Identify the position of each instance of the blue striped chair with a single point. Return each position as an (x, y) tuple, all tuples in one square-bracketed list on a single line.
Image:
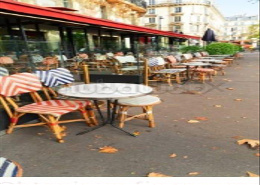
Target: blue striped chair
[(61, 77), (4, 71), (10, 168)]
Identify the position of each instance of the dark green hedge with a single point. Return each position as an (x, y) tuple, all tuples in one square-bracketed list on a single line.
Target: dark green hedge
[(190, 49), (222, 48)]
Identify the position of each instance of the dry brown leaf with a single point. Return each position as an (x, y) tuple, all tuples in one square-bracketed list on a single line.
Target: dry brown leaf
[(218, 106), (185, 157), (40, 134), (193, 173), (153, 174), (238, 99), (173, 155), (201, 118), (227, 80), (108, 149), (257, 154), (98, 136), (244, 117), (250, 174), (251, 142), (230, 88), (193, 121), (136, 133)]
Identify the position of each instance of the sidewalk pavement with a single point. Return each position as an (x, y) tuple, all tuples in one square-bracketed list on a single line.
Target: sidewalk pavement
[(208, 147)]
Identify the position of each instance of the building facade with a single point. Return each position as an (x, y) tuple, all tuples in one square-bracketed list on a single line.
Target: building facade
[(186, 16), (125, 11), (236, 27)]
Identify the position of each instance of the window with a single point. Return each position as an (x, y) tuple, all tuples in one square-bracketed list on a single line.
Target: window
[(177, 19), (178, 1), (151, 11), (151, 20), (66, 3), (198, 18), (178, 9), (177, 29), (151, 2), (197, 28), (103, 12)]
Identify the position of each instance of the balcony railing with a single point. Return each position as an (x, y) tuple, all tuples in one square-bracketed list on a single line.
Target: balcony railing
[(158, 2)]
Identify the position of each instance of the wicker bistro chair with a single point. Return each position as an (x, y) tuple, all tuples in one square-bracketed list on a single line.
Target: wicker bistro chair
[(202, 73), (119, 66), (3, 71), (49, 111), (56, 78), (9, 168), (144, 102), (156, 71)]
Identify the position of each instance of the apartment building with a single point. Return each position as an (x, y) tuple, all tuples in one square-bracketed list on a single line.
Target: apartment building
[(236, 27), (187, 16), (125, 11)]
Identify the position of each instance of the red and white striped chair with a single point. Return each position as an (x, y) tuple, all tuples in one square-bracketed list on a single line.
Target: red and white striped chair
[(49, 111)]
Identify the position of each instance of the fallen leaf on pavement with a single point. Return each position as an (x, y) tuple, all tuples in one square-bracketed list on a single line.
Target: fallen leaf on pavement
[(40, 134), (98, 136), (193, 173), (173, 155), (193, 121), (227, 80), (238, 99), (136, 133), (108, 149), (244, 117), (251, 142), (185, 157), (218, 106), (250, 174), (257, 154), (230, 88), (153, 174), (201, 118)]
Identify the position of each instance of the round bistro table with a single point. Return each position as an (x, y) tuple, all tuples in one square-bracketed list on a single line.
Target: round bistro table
[(110, 92)]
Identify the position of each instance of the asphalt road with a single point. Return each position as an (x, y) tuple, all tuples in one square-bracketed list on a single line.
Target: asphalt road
[(208, 147)]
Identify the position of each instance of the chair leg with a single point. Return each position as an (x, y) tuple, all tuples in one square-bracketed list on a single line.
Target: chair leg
[(210, 76), (178, 80), (85, 116), (56, 129), (168, 79), (123, 116), (150, 116), (202, 77), (92, 115), (144, 111), (13, 122), (119, 114)]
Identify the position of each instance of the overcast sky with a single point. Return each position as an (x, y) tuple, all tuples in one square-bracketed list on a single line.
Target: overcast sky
[(237, 7)]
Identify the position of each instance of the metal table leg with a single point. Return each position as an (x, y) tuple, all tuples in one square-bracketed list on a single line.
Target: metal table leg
[(110, 119)]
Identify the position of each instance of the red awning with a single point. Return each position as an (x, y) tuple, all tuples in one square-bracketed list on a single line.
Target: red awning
[(38, 11)]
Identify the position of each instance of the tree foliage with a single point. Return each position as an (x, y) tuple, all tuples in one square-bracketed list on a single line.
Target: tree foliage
[(253, 31)]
